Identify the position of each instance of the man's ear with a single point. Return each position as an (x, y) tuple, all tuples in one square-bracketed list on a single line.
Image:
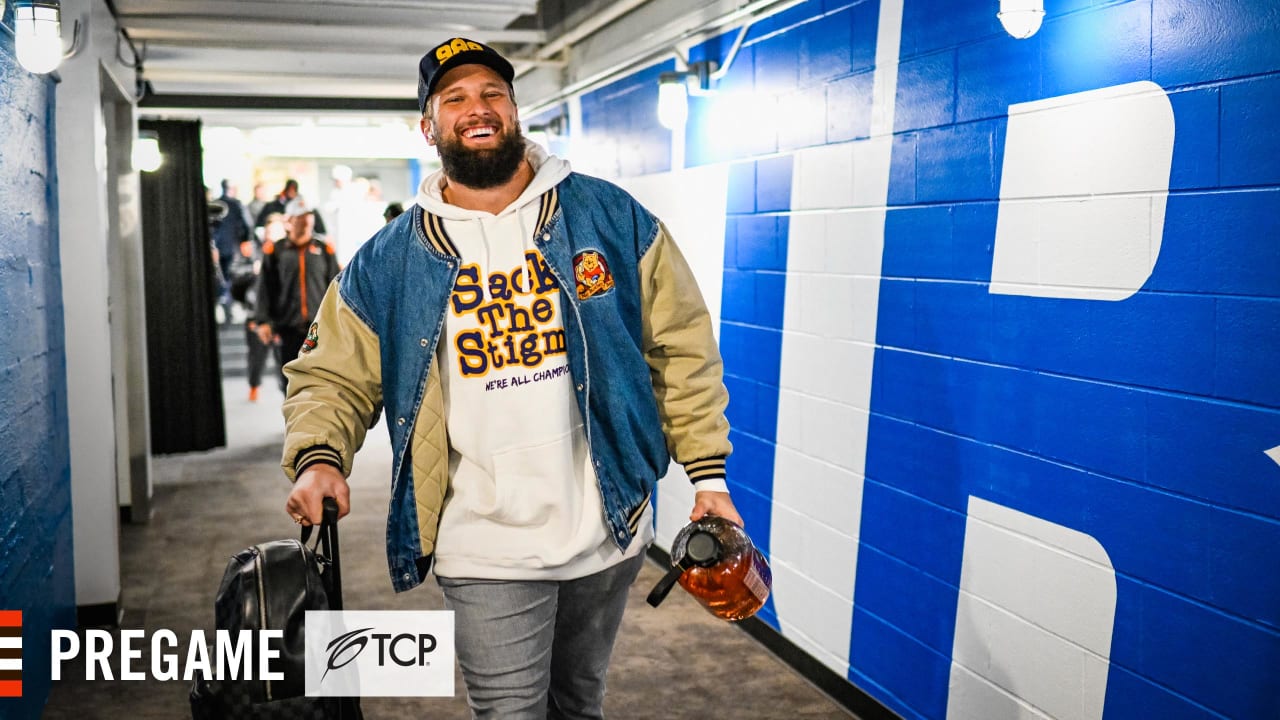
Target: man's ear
[(425, 125)]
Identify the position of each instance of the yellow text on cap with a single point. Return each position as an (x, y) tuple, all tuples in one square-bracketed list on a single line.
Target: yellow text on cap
[(455, 46)]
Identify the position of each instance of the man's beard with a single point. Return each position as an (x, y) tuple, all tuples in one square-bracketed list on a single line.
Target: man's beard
[(481, 169)]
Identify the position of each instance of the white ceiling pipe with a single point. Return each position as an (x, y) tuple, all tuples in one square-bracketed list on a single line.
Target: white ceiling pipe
[(661, 46)]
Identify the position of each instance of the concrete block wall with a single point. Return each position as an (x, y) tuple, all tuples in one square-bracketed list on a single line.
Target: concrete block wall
[(1000, 320), (632, 143), (36, 567)]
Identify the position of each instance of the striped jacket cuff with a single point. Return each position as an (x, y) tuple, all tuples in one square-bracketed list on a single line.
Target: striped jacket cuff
[(705, 469), (316, 454)]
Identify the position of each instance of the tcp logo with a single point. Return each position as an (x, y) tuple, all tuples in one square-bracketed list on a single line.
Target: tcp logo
[(379, 654), (10, 653), (346, 648)]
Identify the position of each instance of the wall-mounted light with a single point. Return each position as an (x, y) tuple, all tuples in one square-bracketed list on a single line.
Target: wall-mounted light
[(38, 34), (1021, 18), (674, 89), (673, 100), (146, 151)]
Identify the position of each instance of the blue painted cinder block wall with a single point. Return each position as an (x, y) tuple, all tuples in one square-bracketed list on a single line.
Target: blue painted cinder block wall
[(36, 566), (1125, 431)]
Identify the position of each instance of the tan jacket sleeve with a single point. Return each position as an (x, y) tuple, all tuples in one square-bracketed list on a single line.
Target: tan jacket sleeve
[(684, 361), (335, 388)]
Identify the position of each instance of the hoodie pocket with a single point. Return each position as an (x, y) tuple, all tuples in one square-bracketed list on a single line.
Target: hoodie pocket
[(534, 483)]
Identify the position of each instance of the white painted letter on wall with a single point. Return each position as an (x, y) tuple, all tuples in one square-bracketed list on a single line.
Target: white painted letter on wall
[(1033, 622), (1082, 193)]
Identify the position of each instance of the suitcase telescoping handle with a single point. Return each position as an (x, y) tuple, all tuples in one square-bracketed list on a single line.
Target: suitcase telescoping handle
[(328, 542)]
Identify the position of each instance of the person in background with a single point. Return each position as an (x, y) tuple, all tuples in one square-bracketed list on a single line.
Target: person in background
[(215, 213), (393, 211), (542, 351), (272, 232), (281, 201), (229, 231), (346, 212), (260, 199), (278, 203), (295, 276)]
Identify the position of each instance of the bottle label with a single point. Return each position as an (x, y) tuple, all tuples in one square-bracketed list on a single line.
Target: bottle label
[(756, 584)]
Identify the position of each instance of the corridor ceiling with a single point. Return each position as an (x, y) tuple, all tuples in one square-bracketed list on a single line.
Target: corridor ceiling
[(344, 50)]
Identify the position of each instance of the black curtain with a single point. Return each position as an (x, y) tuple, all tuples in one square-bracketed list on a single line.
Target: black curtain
[(181, 289)]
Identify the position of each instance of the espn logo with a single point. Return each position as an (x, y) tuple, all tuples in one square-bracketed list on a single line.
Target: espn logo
[(10, 653)]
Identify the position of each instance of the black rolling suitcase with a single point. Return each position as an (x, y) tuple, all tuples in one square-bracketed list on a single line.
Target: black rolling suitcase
[(270, 587)]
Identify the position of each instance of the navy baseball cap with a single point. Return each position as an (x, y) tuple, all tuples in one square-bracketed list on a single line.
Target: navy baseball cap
[(449, 55)]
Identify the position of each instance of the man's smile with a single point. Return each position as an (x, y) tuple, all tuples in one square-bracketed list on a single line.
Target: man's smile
[(479, 131)]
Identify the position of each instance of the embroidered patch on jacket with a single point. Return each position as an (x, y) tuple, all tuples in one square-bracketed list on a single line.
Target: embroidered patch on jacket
[(592, 274), (313, 339)]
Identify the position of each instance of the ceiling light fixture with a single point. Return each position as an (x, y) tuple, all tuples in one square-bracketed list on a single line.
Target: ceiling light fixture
[(37, 30)]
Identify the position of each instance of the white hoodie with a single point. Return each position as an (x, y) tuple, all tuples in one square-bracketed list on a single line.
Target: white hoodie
[(523, 500)]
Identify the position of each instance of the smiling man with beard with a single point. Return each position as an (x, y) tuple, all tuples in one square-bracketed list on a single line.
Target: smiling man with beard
[(542, 352)]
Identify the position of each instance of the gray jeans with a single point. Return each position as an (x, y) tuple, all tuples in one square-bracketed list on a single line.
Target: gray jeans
[(531, 650)]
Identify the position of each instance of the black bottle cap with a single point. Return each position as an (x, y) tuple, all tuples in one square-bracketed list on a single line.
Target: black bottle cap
[(702, 549)]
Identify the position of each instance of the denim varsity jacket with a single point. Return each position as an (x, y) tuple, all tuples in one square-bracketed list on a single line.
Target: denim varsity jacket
[(644, 362)]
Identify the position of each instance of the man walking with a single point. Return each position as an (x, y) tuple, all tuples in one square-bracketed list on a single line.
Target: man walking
[(542, 352), (294, 277)]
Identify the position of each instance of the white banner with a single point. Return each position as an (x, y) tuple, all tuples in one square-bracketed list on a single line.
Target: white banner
[(380, 654)]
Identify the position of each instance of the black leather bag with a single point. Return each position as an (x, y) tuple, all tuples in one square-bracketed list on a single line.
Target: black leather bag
[(270, 587)]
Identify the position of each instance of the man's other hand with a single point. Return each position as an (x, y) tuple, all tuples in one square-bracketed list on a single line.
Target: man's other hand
[(715, 503)]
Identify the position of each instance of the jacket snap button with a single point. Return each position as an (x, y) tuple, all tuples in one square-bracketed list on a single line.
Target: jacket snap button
[(399, 421), (579, 388), (423, 342), (546, 236), (407, 577)]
